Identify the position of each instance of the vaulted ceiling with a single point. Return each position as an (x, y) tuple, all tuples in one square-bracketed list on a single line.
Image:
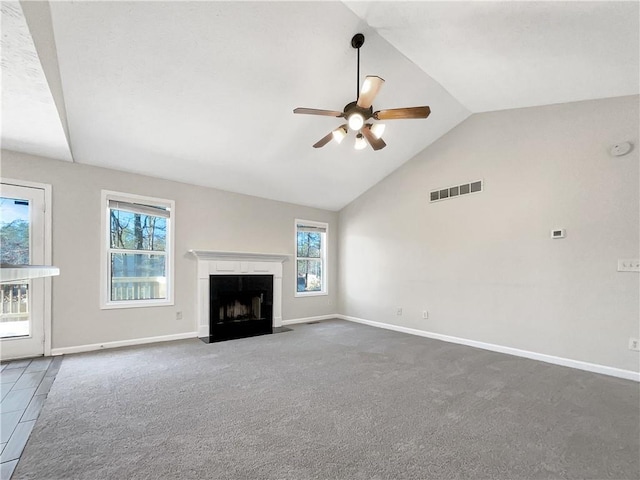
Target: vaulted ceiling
[(203, 92)]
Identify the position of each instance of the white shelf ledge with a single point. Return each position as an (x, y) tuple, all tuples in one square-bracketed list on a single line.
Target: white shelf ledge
[(240, 256), (15, 273)]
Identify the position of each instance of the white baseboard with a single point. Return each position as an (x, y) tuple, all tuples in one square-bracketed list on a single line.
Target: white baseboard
[(293, 321), (122, 343), (565, 362)]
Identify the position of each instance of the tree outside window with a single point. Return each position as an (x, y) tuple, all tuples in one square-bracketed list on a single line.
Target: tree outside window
[(310, 257)]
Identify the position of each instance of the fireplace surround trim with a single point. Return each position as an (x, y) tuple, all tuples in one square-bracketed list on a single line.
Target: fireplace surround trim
[(240, 256), (215, 262)]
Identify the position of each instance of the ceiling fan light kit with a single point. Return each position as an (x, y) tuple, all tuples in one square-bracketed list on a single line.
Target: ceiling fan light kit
[(356, 121), (339, 134), (358, 112), (378, 129)]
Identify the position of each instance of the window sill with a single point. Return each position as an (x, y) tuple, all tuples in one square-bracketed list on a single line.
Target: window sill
[(311, 294), (137, 304)]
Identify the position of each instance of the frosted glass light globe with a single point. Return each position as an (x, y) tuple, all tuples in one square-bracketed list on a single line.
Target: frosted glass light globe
[(377, 129), (339, 134), (356, 121), (360, 142)]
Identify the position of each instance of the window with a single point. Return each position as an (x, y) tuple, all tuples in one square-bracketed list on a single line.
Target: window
[(311, 258), (138, 251)]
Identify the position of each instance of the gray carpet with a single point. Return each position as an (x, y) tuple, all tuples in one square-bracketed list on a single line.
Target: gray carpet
[(334, 400)]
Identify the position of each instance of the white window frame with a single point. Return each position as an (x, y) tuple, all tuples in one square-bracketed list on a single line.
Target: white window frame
[(323, 258), (105, 263), (48, 252)]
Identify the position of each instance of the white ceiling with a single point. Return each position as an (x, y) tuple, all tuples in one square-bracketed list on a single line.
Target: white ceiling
[(501, 55), (203, 92), (30, 120)]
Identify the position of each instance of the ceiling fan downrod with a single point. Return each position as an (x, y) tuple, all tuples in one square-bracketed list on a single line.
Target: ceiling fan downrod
[(356, 42)]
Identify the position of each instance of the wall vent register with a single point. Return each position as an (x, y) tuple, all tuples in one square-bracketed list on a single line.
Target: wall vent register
[(456, 191)]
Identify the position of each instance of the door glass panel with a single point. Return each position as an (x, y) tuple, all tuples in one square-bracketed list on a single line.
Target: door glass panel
[(14, 250)]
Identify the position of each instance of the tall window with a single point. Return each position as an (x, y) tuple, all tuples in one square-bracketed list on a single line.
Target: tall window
[(311, 254), (139, 253)]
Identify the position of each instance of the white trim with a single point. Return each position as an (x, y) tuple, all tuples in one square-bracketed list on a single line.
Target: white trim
[(48, 260), (105, 265), (122, 343), (114, 304), (48, 205), (294, 321), (565, 362), (324, 258), (240, 256), (212, 262), (310, 294)]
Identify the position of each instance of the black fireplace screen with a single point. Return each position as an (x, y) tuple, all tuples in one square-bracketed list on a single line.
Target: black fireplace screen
[(245, 301), (241, 306)]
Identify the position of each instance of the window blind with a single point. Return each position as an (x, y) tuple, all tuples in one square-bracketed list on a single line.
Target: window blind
[(311, 228), (155, 211)]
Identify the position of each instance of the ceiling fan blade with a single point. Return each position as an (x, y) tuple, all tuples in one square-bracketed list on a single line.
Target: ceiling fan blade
[(400, 113), (324, 140), (370, 89), (376, 143), (315, 111)]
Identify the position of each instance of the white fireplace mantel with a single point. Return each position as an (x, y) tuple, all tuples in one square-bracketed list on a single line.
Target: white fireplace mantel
[(240, 256), (214, 262)]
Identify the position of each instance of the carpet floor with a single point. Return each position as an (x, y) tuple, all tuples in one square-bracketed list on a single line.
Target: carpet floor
[(333, 400)]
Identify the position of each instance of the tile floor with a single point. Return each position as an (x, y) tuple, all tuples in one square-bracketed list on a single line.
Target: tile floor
[(24, 388)]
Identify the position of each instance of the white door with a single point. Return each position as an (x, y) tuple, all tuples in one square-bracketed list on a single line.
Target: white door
[(22, 241)]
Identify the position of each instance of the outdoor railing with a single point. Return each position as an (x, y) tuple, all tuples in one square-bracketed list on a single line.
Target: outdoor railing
[(15, 296), (138, 288), (15, 301)]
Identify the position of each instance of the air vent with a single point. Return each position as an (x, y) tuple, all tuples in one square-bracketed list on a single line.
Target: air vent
[(456, 191)]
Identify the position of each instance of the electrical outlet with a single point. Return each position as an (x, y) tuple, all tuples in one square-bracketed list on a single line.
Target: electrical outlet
[(399, 311), (178, 315), (628, 265), (634, 344), (425, 314)]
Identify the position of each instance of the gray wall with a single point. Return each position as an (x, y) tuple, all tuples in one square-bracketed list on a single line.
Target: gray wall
[(205, 219), (484, 266)]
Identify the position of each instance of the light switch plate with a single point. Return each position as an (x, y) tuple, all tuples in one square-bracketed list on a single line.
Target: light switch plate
[(628, 265)]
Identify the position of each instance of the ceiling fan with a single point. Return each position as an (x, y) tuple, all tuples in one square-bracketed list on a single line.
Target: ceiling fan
[(359, 112)]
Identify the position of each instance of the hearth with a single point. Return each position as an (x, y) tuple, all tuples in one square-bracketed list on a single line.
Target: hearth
[(240, 306)]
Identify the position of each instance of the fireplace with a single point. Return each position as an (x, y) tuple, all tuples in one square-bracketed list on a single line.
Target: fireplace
[(216, 263), (240, 306)]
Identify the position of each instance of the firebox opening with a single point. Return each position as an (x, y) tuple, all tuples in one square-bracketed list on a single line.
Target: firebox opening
[(240, 306)]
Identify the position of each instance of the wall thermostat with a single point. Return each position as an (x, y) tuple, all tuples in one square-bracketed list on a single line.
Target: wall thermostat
[(620, 149), (558, 233)]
